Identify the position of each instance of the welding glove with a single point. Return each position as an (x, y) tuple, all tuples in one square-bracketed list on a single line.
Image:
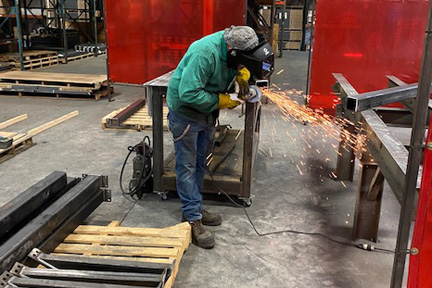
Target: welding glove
[(242, 80), (225, 102)]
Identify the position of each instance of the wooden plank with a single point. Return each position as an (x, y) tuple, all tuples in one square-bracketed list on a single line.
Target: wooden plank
[(118, 250), (52, 123), (40, 129), (114, 224), (141, 259), (128, 240), (7, 134), (12, 121), (88, 229)]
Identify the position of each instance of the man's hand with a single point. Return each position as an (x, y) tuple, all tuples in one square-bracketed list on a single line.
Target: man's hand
[(225, 102), (242, 80)]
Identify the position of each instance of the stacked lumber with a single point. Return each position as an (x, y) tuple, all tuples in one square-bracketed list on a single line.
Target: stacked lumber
[(31, 59), (152, 245), (23, 141), (23, 83)]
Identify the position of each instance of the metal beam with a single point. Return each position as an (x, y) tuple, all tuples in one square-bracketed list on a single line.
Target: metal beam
[(368, 209), (19, 208), (99, 264), (118, 119), (47, 283), (346, 157), (415, 156), (389, 153), (23, 241), (410, 103), (108, 277), (74, 220), (374, 99)]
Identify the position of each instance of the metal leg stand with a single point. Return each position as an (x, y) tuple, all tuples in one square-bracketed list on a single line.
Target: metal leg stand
[(157, 113), (368, 204), (346, 158)]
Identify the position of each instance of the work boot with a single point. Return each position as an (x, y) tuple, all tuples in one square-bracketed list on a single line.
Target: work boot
[(200, 236), (210, 219)]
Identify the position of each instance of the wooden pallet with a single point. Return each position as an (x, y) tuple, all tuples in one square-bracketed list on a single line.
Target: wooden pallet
[(140, 120), (165, 245), (36, 63), (19, 145), (94, 82), (93, 95), (27, 55), (23, 141)]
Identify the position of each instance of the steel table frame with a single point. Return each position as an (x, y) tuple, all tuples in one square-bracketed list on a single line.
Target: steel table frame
[(156, 89), (391, 159)]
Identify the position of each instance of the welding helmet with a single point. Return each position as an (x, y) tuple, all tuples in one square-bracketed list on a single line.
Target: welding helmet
[(259, 60)]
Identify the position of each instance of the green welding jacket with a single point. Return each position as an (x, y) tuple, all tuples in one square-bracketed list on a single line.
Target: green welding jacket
[(198, 79)]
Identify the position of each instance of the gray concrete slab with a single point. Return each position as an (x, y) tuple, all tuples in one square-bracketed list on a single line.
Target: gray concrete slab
[(285, 198)]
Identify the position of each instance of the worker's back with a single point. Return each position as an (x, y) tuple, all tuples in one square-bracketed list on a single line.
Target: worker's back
[(200, 76)]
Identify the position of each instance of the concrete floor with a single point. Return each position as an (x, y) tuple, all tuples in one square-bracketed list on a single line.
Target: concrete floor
[(284, 198)]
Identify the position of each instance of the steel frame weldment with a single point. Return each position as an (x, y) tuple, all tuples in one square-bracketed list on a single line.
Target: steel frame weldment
[(390, 161)]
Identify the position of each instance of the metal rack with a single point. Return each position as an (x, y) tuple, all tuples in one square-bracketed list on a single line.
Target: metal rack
[(14, 13), (53, 16)]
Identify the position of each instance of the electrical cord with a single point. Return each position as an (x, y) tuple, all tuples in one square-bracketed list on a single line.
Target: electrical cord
[(367, 247)]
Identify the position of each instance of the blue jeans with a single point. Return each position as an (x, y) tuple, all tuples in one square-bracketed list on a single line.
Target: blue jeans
[(191, 143)]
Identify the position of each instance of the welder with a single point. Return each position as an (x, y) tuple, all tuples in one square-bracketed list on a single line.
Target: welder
[(196, 92)]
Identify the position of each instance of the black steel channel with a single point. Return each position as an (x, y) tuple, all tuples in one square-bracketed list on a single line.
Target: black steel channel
[(32, 234), (101, 264), (414, 158), (29, 282), (118, 119), (19, 208), (71, 223), (108, 277)]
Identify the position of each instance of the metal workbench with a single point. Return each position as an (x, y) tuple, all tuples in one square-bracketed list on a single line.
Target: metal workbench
[(235, 157)]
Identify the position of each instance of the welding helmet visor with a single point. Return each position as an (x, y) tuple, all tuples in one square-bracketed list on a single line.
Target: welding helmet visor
[(259, 60)]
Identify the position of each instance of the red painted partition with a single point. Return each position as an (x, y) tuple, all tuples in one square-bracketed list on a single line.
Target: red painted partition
[(365, 40), (420, 266), (147, 38)]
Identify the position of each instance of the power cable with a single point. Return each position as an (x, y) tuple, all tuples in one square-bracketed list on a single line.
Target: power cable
[(367, 247)]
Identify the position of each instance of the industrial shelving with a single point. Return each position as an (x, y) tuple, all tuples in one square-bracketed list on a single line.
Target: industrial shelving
[(54, 18)]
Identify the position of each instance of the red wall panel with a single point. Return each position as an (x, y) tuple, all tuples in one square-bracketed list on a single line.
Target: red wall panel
[(147, 38), (365, 40)]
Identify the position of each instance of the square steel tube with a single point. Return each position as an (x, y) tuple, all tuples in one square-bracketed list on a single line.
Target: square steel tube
[(18, 209), (108, 277), (48, 283), (378, 98), (32, 234), (100, 264)]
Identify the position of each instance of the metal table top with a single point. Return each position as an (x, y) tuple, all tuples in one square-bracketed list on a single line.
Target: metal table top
[(161, 81)]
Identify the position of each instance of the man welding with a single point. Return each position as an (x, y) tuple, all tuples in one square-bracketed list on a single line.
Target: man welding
[(196, 92)]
